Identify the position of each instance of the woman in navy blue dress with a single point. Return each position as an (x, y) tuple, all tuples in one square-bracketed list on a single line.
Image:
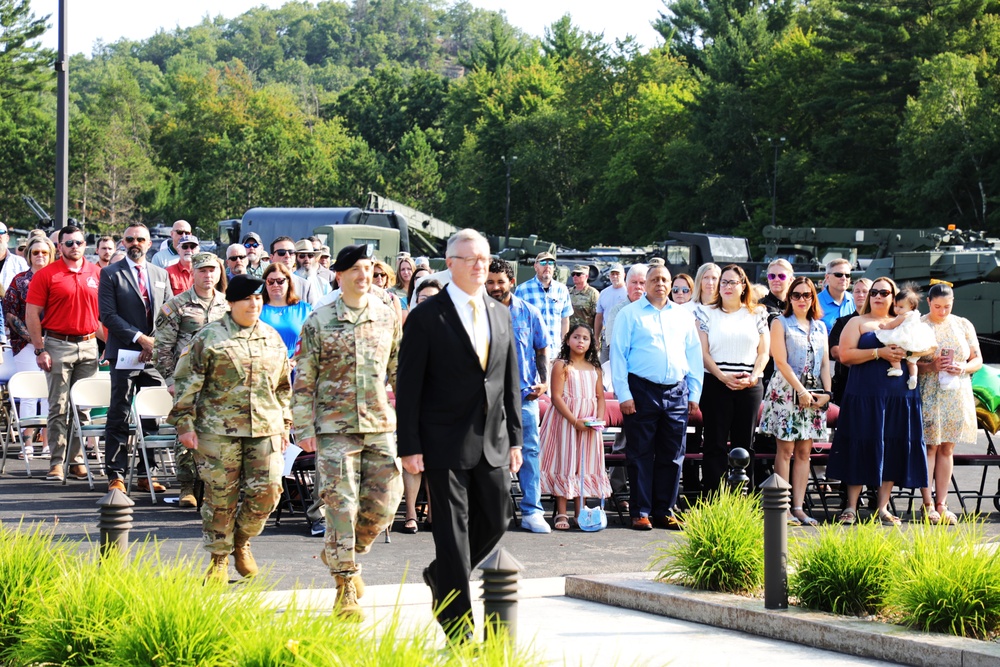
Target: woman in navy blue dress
[(879, 440)]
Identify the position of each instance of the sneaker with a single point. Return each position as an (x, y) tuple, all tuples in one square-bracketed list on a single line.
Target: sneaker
[(535, 523), (78, 471), (317, 529), (45, 452), (55, 473)]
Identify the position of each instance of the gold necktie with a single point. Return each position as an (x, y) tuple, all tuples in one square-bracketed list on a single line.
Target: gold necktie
[(479, 341)]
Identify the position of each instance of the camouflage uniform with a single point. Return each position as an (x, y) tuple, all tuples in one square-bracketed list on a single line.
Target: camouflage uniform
[(232, 389), (344, 360), (178, 320), (584, 305)]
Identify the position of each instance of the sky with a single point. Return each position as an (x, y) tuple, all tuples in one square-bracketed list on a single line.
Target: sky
[(110, 20)]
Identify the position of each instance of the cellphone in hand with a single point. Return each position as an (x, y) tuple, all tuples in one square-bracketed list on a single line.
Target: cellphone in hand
[(948, 355)]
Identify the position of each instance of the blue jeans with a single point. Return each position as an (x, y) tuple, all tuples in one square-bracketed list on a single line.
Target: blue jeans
[(528, 475)]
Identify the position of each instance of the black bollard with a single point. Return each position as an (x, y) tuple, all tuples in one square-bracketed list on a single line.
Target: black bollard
[(501, 572), (115, 522), (776, 493), (737, 479)]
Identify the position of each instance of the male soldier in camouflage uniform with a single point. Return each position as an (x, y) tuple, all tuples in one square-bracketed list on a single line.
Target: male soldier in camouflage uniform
[(231, 407), (176, 323), (583, 297), (347, 353)]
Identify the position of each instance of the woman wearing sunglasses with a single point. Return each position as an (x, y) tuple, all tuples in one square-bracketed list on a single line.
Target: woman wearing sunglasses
[(779, 278), (681, 289), (794, 413), (283, 309), (879, 439)]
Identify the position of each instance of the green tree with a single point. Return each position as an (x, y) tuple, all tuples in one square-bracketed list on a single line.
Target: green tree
[(22, 61)]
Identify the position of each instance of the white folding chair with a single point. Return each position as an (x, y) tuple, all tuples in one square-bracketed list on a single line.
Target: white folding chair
[(151, 403), (87, 394), (25, 385)]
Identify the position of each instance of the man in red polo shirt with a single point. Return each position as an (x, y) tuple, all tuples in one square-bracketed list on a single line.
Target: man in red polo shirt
[(62, 317), (181, 274)]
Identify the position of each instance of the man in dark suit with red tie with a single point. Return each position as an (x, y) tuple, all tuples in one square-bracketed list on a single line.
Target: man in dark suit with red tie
[(130, 294), (458, 409)]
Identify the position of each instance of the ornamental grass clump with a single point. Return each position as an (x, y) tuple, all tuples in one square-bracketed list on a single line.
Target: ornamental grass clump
[(721, 548), (948, 581), (845, 571)]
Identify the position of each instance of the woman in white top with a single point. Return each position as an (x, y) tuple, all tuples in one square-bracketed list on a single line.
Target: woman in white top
[(706, 286), (735, 342)]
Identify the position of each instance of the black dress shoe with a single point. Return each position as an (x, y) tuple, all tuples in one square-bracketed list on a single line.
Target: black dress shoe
[(429, 580), (669, 521)]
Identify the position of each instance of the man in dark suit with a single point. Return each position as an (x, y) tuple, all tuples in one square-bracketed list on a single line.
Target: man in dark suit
[(130, 293), (459, 422)]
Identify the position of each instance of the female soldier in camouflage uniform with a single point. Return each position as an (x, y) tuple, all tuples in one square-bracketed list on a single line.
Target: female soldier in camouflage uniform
[(232, 395)]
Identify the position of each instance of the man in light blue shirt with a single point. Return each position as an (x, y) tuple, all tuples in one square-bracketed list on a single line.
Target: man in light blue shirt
[(835, 299), (657, 368)]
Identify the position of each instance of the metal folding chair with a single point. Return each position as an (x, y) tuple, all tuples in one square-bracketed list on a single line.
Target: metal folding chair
[(151, 403), (87, 394), (26, 385)]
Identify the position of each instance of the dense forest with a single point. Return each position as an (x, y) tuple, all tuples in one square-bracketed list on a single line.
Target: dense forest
[(841, 113)]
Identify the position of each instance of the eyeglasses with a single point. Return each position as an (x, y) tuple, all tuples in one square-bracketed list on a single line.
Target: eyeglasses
[(276, 281), (546, 262), (182, 232), (303, 255), (879, 292), (39, 253), (730, 283), (233, 258), (3, 232), (379, 275), (801, 296), (680, 290), (281, 252), (72, 243), (837, 274), (135, 239), (778, 276), (189, 246), (472, 260), (251, 245)]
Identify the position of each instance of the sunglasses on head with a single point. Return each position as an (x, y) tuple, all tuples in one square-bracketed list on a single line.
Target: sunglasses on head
[(251, 244), (276, 281), (778, 276), (72, 243), (879, 292), (838, 274), (281, 252), (801, 296), (680, 290), (233, 258), (135, 239)]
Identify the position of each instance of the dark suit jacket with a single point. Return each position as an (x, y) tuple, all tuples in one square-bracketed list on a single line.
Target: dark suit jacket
[(447, 408), (121, 308)]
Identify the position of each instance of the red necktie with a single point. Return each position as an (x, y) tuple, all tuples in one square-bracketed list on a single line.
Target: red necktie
[(143, 292)]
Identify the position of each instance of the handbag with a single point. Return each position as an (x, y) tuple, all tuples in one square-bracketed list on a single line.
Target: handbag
[(808, 378), (592, 519)]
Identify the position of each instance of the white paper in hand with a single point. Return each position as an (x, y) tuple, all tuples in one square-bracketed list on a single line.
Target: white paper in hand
[(128, 360), (291, 454)]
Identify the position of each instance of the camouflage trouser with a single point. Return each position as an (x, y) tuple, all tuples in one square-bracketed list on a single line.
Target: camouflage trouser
[(361, 485), (227, 465), (187, 471)]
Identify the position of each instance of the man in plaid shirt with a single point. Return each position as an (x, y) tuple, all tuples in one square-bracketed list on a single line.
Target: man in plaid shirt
[(550, 297)]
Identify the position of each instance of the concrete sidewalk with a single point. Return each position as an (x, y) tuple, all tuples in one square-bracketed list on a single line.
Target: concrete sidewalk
[(567, 631)]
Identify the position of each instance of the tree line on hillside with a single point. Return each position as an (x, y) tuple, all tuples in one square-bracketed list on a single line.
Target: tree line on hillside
[(838, 112)]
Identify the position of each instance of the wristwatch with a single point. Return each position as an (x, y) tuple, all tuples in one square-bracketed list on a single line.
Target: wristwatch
[(38, 351)]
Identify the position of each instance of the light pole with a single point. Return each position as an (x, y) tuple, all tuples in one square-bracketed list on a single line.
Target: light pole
[(774, 183), (506, 211), (62, 120)]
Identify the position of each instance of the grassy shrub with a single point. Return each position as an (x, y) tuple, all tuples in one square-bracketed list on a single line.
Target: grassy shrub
[(947, 583), (846, 571), (721, 548), (31, 565)]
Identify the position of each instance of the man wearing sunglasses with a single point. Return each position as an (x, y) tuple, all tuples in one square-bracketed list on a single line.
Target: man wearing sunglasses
[(308, 267), (836, 300), (181, 273), (236, 260), (169, 253), (256, 260), (11, 264), (283, 252), (132, 291), (551, 297), (61, 315)]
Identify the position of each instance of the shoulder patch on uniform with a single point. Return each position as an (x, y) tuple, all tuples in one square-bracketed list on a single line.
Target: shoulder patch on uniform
[(184, 351), (166, 309)]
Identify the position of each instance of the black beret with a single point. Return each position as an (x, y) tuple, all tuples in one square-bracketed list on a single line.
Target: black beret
[(349, 256), (242, 286)]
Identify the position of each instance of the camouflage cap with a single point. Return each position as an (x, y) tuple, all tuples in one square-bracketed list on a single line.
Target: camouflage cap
[(204, 259), (656, 261), (581, 269), (242, 286)]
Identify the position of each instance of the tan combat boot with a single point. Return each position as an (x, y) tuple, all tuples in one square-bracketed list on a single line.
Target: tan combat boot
[(359, 583), (347, 606), (245, 563), (218, 571), (187, 498)]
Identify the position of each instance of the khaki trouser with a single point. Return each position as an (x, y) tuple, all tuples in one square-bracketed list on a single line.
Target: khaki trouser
[(70, 362)]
